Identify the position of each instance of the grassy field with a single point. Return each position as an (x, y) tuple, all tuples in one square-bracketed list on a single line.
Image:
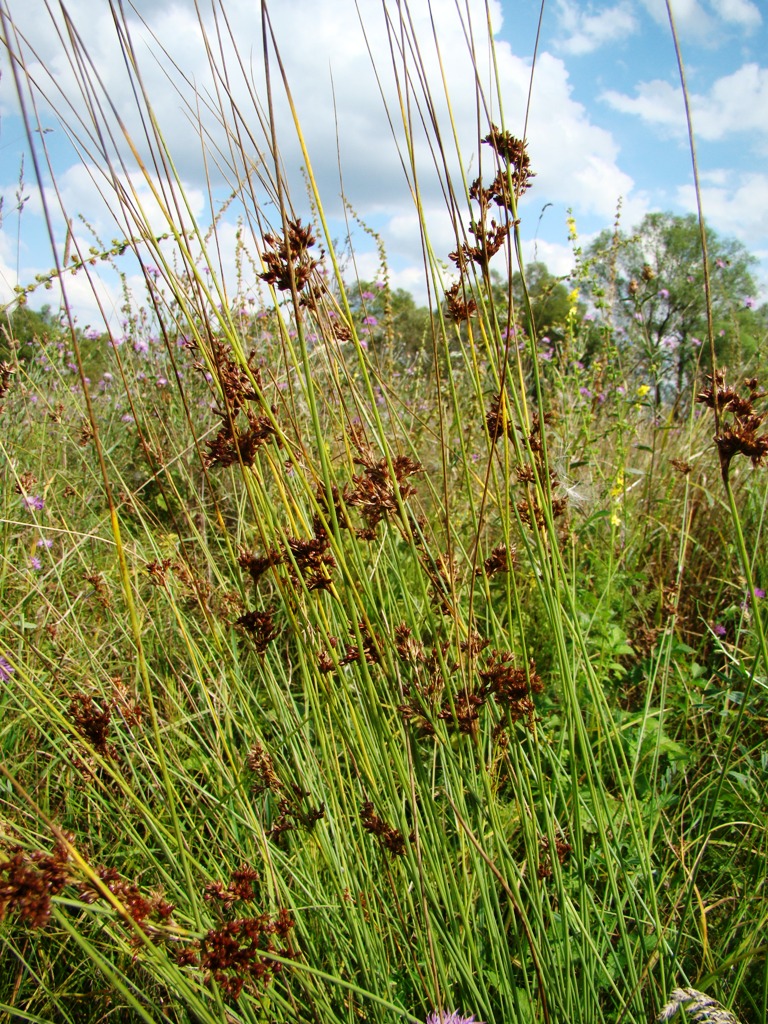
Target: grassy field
[(352, 675)]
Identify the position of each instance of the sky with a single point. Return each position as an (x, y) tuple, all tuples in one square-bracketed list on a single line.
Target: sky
[(605, 126)]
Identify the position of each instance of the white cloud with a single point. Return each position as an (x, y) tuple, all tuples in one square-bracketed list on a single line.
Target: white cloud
[(576, 162), (582, 31), (734, 204), (558, 256), (691, 19), (658, 103), (735, 103), (738, 12), (705, 25)]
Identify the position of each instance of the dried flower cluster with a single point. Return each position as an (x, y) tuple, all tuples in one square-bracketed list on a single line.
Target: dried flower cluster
[(488, 241), (140, 908), (293, 814), (459, 307), (369, 650), (239, 890), (514, 153), (511, 687), (283, 256), (260, 763), (29, 880), (93, 724), (259, 627), (514, 176), (376, 491), (233, 445), (498, 420), (563, 850), (239, 386), (501, 560), (6, 372), (236, 381), (238, 952), (391, 839), (739, 436)]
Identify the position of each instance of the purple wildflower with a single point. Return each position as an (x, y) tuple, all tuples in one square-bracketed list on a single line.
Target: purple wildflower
[(6, 670), (45, 542), (585, 392), (367, 296), (719, 629), (749, 302), (696, 342), (451, 1018), (758, 593), (664, 293), (35, 563), (370, 321), (33, 501)]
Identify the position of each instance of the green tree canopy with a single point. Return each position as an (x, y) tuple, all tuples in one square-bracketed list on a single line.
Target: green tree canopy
[(652, 284), (24, 325)]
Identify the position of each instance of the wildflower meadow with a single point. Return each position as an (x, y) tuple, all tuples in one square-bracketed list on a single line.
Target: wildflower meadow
[(366, 659)]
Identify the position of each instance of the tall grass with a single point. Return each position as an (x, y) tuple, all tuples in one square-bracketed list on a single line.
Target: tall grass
[(341, 683)]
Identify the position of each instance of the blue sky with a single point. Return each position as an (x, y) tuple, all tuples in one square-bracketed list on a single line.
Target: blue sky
[(606, 121)]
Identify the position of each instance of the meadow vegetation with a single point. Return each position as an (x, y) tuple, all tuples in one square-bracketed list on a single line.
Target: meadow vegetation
[(363, 661)]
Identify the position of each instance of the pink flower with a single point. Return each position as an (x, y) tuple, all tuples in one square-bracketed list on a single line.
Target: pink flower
[(33, 502), (370, 321), (451, 1018)]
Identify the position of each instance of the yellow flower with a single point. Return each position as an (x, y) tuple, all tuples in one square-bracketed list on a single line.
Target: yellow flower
[(615, 518), (643, 390), (571, 222)]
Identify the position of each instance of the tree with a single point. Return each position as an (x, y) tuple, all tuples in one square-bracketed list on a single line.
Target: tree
[(23, 326), (551, 303), (389, 319), (652, 285)]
